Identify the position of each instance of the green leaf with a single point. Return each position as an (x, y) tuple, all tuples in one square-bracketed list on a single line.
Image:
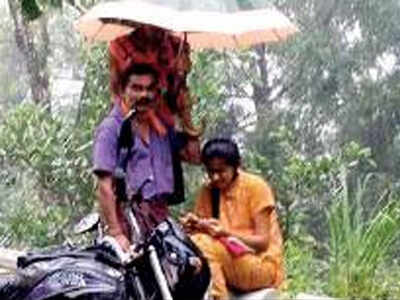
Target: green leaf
[(30, 9), (56, 3)]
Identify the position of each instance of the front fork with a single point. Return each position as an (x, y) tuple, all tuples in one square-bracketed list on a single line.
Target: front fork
[(154, 260)]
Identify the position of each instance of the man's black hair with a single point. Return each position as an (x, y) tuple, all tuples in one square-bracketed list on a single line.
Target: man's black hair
[(138, 69), (221, 148)]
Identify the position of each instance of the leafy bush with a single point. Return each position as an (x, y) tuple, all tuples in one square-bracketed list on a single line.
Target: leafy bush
[(303, 185), (29, 221), (32, 140), (54, 152)]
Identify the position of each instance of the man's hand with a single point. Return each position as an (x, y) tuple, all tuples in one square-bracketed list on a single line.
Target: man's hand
[(108, 205), (123, 242), (191, 152)]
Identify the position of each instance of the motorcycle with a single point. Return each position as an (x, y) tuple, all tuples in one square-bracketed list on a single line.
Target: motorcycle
[(165, 266)]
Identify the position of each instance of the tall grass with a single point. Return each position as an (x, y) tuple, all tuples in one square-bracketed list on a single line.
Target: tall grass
[(304, 272), (360, 242)]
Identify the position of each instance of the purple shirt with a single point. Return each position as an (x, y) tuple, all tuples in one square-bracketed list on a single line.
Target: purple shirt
[(149, 170)]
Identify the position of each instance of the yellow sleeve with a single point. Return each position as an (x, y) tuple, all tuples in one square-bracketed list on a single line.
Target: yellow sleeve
[(202, 206), (261, 196)]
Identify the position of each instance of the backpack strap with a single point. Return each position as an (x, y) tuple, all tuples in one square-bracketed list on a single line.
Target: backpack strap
[(215, 200), (178, 196), (124, 152)]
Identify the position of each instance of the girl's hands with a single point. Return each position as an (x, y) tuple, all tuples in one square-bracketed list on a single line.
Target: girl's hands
[(211, 226), (214, 228)]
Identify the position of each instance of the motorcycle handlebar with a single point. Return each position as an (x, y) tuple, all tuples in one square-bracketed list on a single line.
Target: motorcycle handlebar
[(125, 257)]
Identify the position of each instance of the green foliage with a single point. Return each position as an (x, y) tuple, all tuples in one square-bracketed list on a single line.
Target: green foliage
[(303, 185), (33, 9), (32, 139), (304, 270), (30, 9), (30, 221), (361, 243), (95, 99), (389, 287), (55, 153), (359, 262), (205, 81)]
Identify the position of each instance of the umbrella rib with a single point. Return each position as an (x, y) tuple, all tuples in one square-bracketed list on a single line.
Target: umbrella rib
[(275, 32), (181, 43), (99, 30), (235, 39)]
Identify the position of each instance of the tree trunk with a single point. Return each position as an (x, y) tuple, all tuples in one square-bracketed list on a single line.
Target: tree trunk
[(35, 54), (261, 88)]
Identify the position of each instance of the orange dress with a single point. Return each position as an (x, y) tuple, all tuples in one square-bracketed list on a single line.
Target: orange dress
[(239, 204)]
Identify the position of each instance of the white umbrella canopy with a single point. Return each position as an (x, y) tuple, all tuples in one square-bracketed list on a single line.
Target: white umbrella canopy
[(206, 23)]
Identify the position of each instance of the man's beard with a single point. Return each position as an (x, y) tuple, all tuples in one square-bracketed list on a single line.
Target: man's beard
[(149, 114), (144, 103)]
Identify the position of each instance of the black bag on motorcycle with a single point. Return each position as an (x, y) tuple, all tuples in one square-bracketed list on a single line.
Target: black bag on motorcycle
[(67, 273), (183, 264)]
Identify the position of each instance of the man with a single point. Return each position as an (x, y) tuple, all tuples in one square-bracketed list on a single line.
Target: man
[(150, 176), (235, 224)]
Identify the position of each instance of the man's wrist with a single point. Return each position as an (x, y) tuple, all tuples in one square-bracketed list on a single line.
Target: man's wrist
[(115, 232)]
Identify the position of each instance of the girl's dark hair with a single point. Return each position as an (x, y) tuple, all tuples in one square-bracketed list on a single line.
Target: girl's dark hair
[(221, 148), (138, 69)]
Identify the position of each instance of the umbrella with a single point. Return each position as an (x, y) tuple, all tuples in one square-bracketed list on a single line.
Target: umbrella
[(204, 23), (139, 31)]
